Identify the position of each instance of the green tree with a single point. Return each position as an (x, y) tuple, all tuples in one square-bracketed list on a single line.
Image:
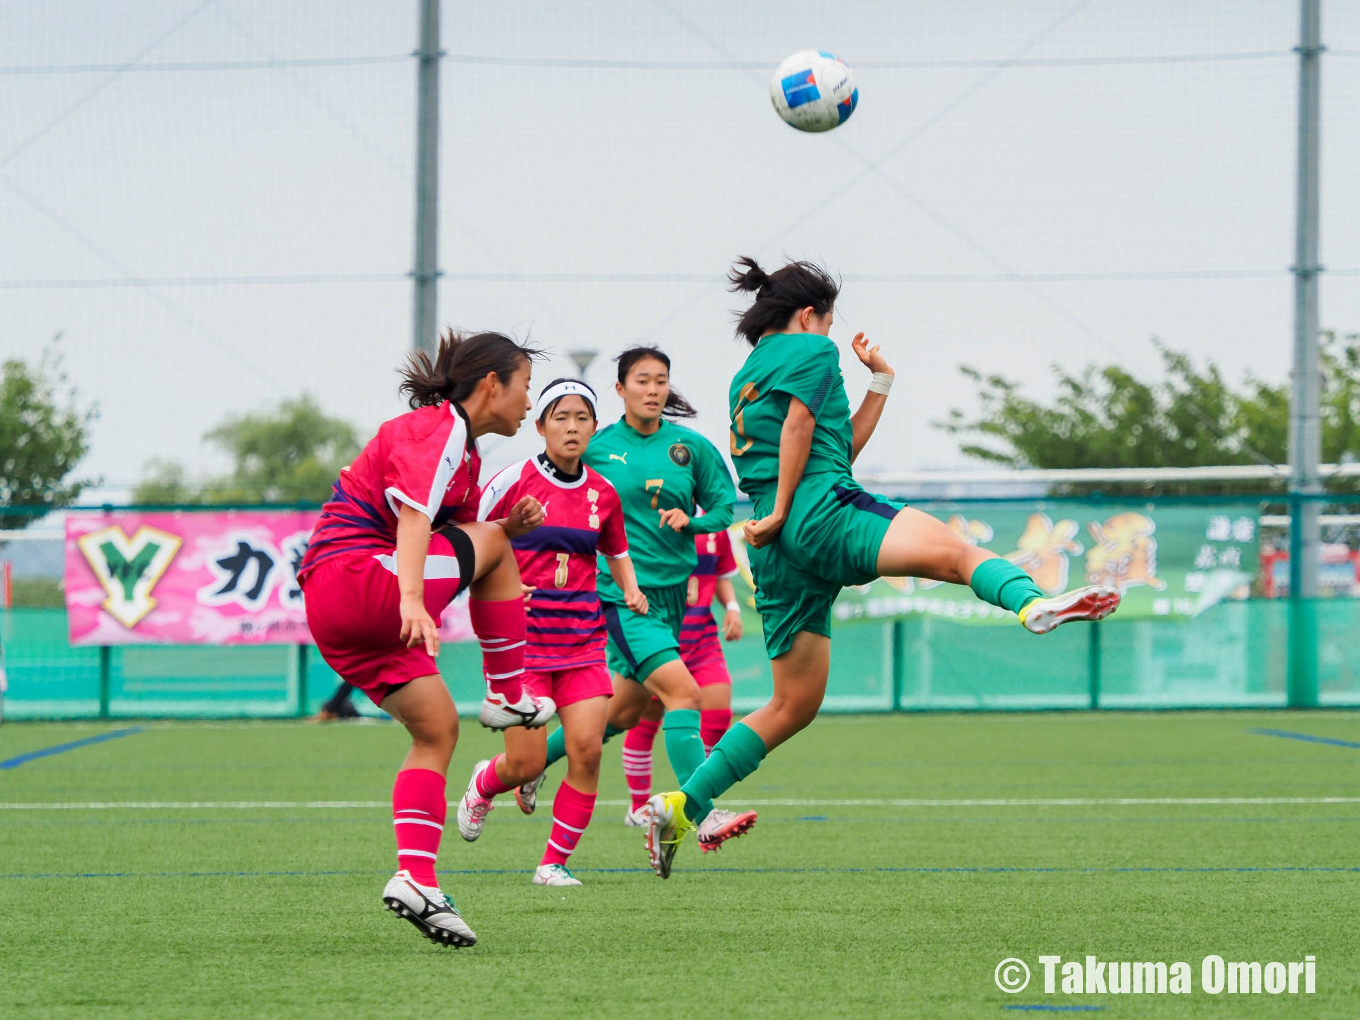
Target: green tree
[(291, 454), (44, 433), (1105, 417)]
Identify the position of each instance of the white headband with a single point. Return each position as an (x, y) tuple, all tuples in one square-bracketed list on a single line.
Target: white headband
[(566, 388)]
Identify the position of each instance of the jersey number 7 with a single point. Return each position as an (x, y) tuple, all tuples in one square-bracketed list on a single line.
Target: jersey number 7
[(658, 482), (747, 394)]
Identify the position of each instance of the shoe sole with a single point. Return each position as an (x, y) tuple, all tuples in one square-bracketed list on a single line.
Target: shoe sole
[(528, 806), (439, 936), (1086, 604), (739, 826), (659, 855)]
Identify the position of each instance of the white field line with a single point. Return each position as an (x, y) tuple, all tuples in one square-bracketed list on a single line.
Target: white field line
[(338, 805)]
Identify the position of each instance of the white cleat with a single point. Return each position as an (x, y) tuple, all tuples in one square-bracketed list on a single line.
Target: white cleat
[(526, 796), (1091, 603), (529, 711), (426, 907), (473, 808), (636, 818), (720, 826), (554, 874)]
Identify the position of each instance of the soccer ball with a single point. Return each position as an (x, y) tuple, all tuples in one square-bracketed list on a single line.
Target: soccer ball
[(813, 91)]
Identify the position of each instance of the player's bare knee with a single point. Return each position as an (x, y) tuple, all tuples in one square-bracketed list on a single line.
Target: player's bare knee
[(585, 756), (522, 766), (625, 717)]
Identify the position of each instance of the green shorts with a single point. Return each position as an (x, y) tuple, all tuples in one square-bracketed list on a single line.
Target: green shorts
[(640, 645), (830, 540)]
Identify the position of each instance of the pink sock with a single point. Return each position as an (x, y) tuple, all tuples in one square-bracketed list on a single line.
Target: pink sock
[(637, 760), (571, 815), (500, 628), (489, 783), (713, 723), (418, 811)]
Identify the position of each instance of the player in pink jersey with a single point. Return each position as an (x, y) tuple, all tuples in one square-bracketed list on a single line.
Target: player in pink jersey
[(565, 653), (397, 541), (702, 654)]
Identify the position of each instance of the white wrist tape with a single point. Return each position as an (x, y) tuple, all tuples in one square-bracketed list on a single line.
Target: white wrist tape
[(881, 383), (734, 607)]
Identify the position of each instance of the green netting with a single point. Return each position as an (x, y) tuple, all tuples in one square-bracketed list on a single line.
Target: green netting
[(1235, 655)]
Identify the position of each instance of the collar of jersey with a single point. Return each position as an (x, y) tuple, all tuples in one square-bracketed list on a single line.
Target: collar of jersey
[(549, 472), (456, 408), (632, 431)]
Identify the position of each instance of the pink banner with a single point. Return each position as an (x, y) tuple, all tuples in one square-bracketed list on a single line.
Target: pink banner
[(186, 577)]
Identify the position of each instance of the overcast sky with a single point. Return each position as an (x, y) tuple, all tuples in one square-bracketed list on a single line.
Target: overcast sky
[(212, 202)]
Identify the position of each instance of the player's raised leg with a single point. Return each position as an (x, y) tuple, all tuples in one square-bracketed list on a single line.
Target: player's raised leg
[(918, 545), (424, 707), (496, 609)]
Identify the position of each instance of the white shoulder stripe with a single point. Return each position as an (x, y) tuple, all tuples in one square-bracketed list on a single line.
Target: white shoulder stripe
[(499, 485)]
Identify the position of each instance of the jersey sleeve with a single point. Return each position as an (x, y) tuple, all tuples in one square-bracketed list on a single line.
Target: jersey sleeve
[(810, 376), (727, 563), (498, 496), (713, 489), (420, 471), (613, 537)]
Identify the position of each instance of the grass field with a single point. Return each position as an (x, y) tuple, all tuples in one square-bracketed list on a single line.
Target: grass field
[(897, 861)]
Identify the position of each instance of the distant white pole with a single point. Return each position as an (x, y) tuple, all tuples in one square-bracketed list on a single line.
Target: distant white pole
[(426, 271), (1305, 431)]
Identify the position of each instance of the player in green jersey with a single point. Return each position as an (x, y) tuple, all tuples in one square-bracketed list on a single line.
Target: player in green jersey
[(661, 471), (814, 530)]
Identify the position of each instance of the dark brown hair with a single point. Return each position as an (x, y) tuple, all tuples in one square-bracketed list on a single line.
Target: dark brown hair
[(780, 294), (459, 364), (676, 405)]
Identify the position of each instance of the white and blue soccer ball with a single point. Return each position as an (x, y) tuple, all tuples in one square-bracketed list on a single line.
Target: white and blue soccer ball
[(814, 91)]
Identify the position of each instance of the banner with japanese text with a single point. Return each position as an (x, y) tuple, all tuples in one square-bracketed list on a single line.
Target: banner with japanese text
[(1171, 561), (194, 577)]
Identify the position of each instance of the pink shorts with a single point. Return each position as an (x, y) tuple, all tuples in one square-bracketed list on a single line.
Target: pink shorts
[(705, 663), (568, 686), (352, 611)]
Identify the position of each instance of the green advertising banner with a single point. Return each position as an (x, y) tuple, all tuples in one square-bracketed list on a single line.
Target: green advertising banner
[(1169, 561)]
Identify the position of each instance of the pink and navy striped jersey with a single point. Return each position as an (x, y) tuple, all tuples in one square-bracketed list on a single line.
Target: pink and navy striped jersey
[(581, 517), (699, 632), (425, 458)]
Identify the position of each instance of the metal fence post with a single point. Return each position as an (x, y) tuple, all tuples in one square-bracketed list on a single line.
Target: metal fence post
[(301, 680), (105, 679), (1093, 665), (899, 662)]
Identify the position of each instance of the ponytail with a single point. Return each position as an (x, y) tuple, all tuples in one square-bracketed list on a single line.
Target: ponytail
[(459, 364), (780, 295), (676, 405)]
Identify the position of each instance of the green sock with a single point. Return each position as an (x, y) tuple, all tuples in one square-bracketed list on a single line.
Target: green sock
[(557, 743), (736, 756), (684, 746), (1003, 584)]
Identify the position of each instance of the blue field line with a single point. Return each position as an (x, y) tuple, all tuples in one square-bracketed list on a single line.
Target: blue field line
[(702, 871), (1307, 737), (44, 752)]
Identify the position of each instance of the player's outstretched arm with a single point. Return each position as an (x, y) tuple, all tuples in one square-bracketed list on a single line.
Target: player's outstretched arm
[(413, 543), (865, 420), (795, 444)]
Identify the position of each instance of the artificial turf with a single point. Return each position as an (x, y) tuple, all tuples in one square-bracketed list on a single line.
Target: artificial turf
[(839, 904)]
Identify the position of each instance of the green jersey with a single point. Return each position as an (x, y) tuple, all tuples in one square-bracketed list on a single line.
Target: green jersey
[(673, 467), (783, 366)]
